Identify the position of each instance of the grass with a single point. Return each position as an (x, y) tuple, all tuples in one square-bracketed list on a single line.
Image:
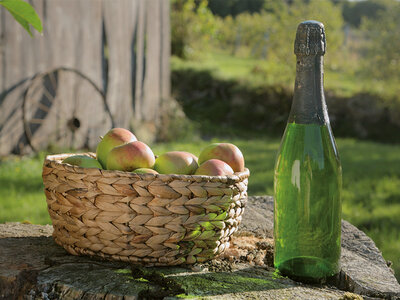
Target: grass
[(266, 72), (371, 181), (21, 190), (230, 67)]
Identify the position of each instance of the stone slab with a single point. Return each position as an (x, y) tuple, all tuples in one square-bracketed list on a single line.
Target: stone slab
[(32, 266)]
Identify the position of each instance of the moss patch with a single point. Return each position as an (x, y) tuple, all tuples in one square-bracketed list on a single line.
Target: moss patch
[(163, 286), (225, 282)]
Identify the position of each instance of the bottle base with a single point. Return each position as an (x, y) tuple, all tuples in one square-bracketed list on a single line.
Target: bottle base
[(308, 269)]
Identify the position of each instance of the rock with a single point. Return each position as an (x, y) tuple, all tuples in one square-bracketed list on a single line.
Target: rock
[(32, 266), (22, 230), (258, 217), (364, 271)]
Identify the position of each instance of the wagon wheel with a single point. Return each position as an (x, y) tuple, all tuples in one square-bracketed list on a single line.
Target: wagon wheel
[(64, 108)]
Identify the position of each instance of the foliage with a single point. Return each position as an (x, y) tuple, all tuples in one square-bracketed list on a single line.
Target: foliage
[(267, 34), (371, 198), (23, 13), (256, 50), (240, 104), (190, 23), (322, 10), (355, 11), (383, 43), (224, 8)]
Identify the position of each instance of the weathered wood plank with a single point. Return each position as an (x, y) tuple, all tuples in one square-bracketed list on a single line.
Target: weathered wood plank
[(2, 58), (152, 83), (89, 108), (21, 55), (120, 20), (165, 50), (139, 53), (75, 45), (13, 76), (82, 41)]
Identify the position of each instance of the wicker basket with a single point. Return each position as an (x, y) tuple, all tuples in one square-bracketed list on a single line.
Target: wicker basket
[(142, 218)]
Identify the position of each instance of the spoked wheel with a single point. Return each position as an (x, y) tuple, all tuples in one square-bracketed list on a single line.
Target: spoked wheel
[(64, 108)]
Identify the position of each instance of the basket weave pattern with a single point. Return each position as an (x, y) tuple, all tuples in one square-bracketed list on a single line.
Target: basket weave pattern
[(142, 218)]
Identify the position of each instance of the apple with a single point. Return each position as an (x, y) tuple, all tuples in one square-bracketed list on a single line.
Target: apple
[(130, 156), (176, 162), (214, 167), (113, 138), (82, 161), (226, 152), (144, 171)]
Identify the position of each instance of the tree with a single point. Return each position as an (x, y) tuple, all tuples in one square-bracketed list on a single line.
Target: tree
[(284, 25), (190, 23), (353, 12), (233, 8), (383, 43)]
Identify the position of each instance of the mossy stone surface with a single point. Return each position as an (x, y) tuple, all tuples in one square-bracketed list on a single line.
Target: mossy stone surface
[(32, 266)]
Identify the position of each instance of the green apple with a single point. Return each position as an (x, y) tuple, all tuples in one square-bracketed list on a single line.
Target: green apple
[(113, 138), (144, 171), (214, 167), (226, 152), (176, 162), (82, 161), (130, 156)]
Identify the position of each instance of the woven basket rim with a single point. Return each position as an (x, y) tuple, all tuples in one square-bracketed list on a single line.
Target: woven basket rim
[(57, 158)]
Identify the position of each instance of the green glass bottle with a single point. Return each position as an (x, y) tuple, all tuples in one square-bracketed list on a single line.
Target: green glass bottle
[(308, 173)]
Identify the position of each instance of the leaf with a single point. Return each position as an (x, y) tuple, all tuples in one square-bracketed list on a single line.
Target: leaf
[(21, 21), (23, 13)]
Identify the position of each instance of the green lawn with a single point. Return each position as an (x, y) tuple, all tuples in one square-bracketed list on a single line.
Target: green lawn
[(371, 181), (263, 72)]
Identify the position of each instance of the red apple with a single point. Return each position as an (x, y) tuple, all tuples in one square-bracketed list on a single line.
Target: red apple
[(131, 156), (176, 162), (226, 152), (113, 138), (214, 167)]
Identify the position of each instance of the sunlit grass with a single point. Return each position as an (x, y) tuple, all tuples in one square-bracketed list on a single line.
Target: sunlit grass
[(21, 190), (266, 72)]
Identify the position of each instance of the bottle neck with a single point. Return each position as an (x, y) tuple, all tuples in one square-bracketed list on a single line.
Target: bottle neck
[(309, 105)]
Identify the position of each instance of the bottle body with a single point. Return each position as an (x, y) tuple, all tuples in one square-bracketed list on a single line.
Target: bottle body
[(307, 219), (308, 173)]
